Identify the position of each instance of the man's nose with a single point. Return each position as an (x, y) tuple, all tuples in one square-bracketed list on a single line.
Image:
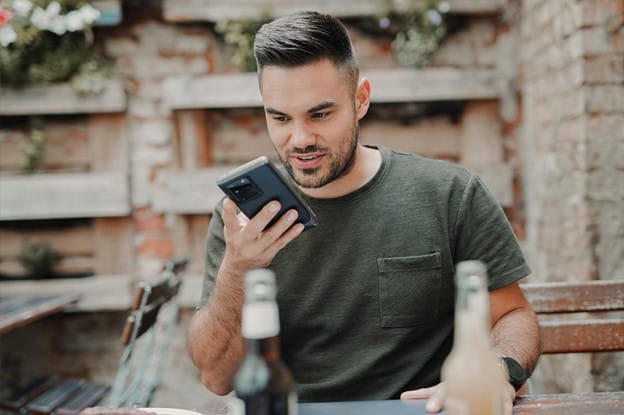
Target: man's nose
[(302, 135)]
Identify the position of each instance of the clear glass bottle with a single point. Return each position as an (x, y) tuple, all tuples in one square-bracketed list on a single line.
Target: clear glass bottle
[(263, 384), (474, 380)]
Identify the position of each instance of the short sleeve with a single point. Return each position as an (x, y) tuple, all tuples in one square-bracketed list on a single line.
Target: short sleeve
[(483, 232), (215, 249)]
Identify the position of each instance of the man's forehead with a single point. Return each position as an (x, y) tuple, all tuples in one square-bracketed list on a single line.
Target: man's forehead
[(302, 89)]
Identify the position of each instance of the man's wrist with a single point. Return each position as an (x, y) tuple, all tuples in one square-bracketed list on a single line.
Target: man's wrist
[(514, 372)]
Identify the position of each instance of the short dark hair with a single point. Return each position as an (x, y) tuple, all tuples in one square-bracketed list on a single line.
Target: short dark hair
[(302, 38)]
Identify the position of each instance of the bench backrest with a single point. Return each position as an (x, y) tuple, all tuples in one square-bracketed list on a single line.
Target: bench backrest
[(575, 316), (146, 336)]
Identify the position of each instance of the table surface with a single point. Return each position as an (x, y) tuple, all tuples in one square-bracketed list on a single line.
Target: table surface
[(607, 403), (598, 403), (17, 311)]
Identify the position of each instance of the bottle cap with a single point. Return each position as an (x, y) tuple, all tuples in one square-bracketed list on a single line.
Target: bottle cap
[(471, 274), (472, 267), (260, 285)]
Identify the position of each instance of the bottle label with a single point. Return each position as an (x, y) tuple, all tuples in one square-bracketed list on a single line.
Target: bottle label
[(260, 320)]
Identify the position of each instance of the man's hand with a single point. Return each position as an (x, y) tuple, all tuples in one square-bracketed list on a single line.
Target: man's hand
[(248, 244), (435, 396)]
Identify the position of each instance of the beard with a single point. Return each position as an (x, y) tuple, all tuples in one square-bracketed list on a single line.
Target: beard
[(340, 164)]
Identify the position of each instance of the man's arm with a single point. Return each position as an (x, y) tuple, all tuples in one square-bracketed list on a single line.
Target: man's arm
[(515, 330), (214, 340)]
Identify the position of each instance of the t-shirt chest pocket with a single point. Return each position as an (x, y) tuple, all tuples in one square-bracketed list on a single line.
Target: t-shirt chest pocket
[(409, 289)]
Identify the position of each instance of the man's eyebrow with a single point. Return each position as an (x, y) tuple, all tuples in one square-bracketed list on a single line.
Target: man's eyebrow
[(321, 106), (274, 111), (316, 108)]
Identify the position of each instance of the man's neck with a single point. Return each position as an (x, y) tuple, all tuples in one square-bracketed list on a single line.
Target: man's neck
[(367, 163)]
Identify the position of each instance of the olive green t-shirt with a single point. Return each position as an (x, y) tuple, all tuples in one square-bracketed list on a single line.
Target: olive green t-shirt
[(366, 299)]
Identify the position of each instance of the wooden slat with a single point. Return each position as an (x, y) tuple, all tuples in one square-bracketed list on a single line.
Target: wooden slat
[(114, 250), (194, 147), (214, 10), (20, 396), (595, 403), (100, 292), (18, 312), (89, 395), (191, 192), (240, 90), (97, 293), (68, 240), (563, 297), (62, 266), (47, 196), (582, 336), (65, 147), (434, 137), (61, 99), (54, 397), (108, 142)]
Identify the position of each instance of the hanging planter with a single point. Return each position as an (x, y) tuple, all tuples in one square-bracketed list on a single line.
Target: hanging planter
[(238, 36), (43, 41), (416, 27)]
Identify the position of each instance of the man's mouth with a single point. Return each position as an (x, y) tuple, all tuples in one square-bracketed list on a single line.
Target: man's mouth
[(306, 161)]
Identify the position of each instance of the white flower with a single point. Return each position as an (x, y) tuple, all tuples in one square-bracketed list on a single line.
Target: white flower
[(444, 7), (22, 7), (7, 36), (48, 19), (58, 25), (54, 9), (40, 19), (434, 16), (74, 21), (384, 22), (89, 13)]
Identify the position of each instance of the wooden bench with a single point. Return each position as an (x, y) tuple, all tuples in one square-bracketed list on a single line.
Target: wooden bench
[(579, 317), (135, 382)]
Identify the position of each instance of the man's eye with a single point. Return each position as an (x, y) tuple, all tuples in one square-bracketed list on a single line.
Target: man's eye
[(280, 118), (320, 115)]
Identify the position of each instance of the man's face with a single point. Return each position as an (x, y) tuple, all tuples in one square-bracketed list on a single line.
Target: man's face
[(312, 120)]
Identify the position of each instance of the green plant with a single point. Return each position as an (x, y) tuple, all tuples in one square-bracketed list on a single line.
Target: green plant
[(37, 259), (45, 41), (418, 29), (239, 36), (33, 148)]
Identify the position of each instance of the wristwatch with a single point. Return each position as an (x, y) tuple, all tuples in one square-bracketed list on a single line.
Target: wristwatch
[(515, 374)]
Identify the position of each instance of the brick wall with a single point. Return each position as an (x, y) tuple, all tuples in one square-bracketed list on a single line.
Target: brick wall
[(573, 143)]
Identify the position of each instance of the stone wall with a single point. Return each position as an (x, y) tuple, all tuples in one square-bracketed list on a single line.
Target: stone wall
[(573, 148)]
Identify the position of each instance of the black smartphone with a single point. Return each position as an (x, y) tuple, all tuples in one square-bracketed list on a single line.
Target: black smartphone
[(256, 183)]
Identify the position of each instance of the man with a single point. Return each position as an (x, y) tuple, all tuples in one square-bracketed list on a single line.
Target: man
[(367, 298)]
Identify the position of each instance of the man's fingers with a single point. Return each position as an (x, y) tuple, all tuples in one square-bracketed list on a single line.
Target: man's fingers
[(422, 393), (434, 396), (436, 401), (259, 222), (228, 214)]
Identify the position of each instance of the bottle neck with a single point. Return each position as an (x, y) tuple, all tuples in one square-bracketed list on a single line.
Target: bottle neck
[(268, 348), (472, 313)]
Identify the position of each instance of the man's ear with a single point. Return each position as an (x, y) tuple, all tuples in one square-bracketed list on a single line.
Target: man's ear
[(362, 98)]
